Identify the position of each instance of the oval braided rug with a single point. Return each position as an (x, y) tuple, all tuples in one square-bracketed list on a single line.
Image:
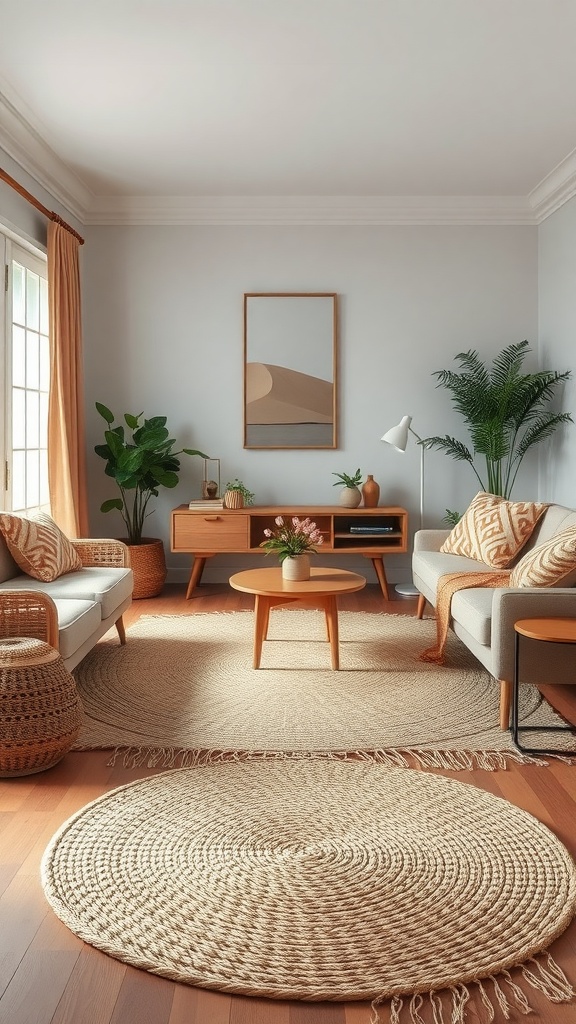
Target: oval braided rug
[(313, 880)]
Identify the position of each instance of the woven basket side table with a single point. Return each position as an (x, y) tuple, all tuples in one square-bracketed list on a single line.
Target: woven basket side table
[(40, 710)]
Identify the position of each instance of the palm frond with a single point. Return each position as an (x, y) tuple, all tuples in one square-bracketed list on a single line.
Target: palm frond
[(539, 431), (450, 445)]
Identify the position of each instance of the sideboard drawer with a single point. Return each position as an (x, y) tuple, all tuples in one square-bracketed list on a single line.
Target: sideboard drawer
[(209, 531)]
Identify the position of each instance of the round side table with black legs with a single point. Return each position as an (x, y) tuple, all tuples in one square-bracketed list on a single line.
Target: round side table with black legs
[(549, 631)]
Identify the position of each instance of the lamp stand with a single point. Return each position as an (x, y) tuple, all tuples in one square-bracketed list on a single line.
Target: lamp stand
[(408, 589)]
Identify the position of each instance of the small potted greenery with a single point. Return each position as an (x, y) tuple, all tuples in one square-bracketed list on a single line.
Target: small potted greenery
[(140, 463), (350, 495), (236, 495)]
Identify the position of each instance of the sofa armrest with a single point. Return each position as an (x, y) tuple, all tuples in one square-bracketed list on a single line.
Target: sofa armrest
[(510, 605), (429, 540), (29, 613), (102, 551)]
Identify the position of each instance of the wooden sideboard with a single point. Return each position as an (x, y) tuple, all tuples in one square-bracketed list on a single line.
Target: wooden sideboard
[(371, 532)]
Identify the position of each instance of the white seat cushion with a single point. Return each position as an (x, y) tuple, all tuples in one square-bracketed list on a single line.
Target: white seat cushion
[(473, 610), (107, 586), (77, 621)]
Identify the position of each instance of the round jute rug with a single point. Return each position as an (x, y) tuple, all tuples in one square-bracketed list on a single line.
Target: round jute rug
[(317, 880)]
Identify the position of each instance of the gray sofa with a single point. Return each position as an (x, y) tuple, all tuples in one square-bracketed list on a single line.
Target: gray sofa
[(484, 618), (76, 609)]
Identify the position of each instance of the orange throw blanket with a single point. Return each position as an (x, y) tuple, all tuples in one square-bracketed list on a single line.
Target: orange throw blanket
[(448, 586)]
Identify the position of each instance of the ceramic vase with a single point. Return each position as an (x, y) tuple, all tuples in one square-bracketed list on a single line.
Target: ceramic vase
[(350, 497), (296, 568), (370, 492)]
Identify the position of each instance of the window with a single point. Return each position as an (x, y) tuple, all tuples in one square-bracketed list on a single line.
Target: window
[(26, 382)]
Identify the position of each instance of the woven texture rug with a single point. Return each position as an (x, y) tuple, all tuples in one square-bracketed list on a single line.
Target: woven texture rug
[(183, 685), (320, 880)]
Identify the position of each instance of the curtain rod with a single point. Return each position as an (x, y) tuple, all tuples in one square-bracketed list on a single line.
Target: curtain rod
[(34, 202)]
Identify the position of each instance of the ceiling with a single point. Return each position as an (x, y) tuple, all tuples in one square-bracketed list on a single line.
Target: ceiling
[(321, 108)]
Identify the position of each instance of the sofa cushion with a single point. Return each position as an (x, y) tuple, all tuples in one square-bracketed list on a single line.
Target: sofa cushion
[(473, 610), (551, 564), (430, 565), (494, 530), (77, 622), (107, 586), (8, 567), (556, 519), (38, 546)]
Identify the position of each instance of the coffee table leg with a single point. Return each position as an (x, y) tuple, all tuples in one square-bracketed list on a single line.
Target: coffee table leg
[(261, 617), (331, 612)]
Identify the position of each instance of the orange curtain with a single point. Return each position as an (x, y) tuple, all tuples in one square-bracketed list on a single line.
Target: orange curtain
[(66, 427)]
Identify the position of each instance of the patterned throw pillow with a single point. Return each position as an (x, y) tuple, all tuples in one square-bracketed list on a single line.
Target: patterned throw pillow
[(493, 530), (38, 546), (552, 564)]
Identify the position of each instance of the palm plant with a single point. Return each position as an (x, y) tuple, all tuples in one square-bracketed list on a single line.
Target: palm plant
[(504, 410)]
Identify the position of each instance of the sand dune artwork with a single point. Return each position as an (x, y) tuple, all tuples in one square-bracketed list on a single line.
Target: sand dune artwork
[(289, 371), (297, 406)]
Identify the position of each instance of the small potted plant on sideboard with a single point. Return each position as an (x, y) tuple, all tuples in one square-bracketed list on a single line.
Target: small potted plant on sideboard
[(237, 495)]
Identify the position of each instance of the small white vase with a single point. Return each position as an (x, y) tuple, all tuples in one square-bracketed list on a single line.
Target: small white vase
[(296, 568), (350, 497)]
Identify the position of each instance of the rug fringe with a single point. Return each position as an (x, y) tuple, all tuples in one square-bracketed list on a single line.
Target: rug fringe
[(402, 757), (449, 1006)]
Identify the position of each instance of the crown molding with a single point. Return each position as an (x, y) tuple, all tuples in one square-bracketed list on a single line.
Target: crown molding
[(309, 210), (555, 189), (24, 145), (23, 142)]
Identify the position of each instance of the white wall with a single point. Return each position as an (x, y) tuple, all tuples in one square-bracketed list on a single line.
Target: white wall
[(163, 334), (557, 333)]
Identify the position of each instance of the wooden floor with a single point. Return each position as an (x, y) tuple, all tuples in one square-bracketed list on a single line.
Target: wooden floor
[(48, 976)]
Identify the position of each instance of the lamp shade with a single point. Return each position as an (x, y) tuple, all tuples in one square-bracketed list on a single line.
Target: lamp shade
[(398, 436)]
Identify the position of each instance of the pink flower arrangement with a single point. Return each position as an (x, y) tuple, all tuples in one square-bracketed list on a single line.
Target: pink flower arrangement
[(292, 538)]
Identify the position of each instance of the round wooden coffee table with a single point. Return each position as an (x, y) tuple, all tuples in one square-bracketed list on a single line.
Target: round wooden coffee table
[(271, 589)]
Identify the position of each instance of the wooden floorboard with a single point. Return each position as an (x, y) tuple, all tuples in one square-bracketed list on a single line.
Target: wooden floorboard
[(49, 976)]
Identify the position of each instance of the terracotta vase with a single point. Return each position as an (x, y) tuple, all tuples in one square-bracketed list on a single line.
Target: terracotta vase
[(296, 568), (370, 492)]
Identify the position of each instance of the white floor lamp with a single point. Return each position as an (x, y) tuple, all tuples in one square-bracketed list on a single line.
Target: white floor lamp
[(398, 437)]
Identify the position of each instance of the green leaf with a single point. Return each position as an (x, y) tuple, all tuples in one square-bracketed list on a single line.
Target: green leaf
[(132, 421), (105, 412), (107, 506), (164, 478), (194, 451), (115, 443)]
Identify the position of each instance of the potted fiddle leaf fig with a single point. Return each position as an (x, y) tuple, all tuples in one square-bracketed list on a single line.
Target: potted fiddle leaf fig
[(140, 460)]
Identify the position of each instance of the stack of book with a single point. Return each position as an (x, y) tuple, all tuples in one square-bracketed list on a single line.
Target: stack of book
[(213, 503), (366, 528)]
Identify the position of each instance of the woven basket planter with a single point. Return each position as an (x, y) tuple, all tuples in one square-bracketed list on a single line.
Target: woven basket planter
[(148, 563), (40, 710), (233, 499)]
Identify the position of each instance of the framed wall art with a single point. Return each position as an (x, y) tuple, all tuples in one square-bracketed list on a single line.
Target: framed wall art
[(290, 369)]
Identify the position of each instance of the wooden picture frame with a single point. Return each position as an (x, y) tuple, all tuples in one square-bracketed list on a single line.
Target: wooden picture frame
[(290, 369)]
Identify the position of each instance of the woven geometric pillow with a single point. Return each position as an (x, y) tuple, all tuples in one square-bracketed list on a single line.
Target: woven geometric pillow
[(493, 530), (38, 546), (552, 564)]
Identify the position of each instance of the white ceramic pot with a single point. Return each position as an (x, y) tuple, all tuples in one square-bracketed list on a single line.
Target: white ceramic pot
[(350, 497), (296, 568)]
